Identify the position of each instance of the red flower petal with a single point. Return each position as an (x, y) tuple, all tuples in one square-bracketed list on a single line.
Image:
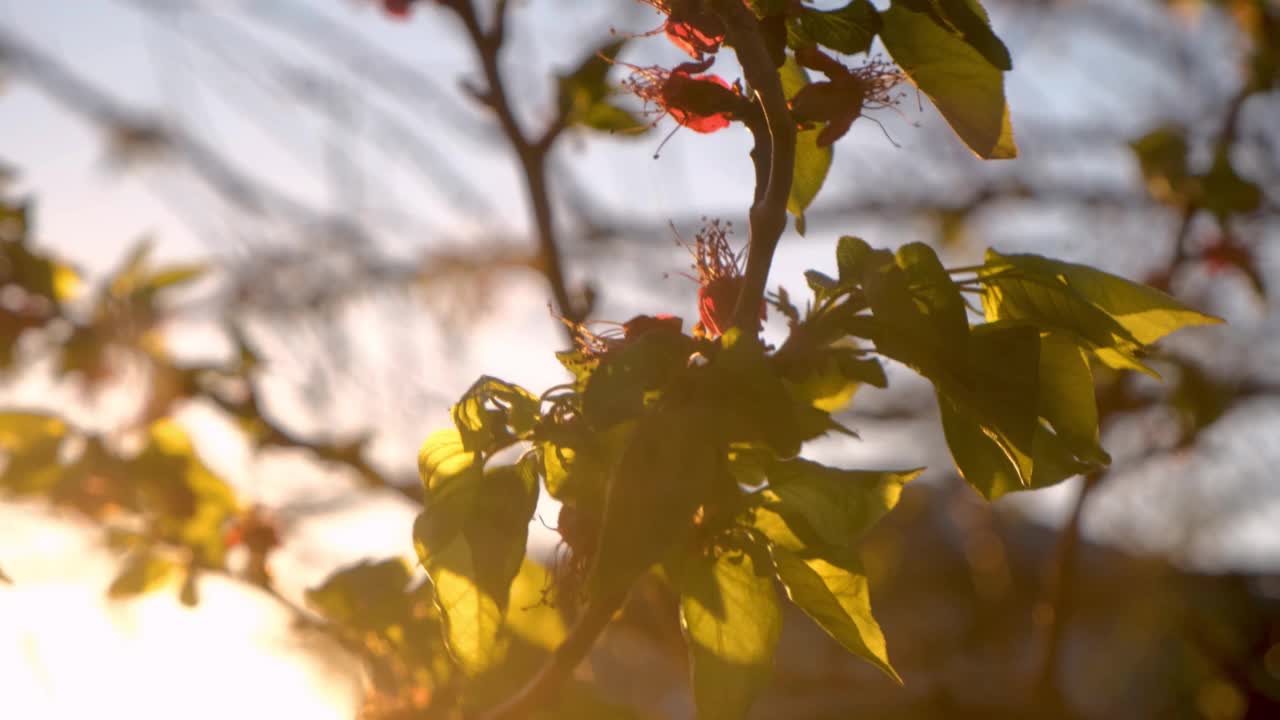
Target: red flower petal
[(398, 9), (715, 304), (696, 35), (702, 103)]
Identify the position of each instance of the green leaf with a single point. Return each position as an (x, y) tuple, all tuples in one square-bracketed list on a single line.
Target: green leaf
[(1066, 397), (37, 274), (731, 620), (839, 506), (968, 20), (986, 467), (493, 413), (176, 275), (368, 596), (1003, 397), (849, 29), (1225, 192), (584, 93), (189, 503), (1107, 311), (633, 377), (964, 85), (665, 473), (472, 569), (828, 378), (606, 117), (792, 76), (1162, 156), (917, 311), (576, 463), (143, 571), (529, 617), (31, 443), (1031, 418), (812, 163), (451, 478), (833, 591), (852, 254), (754, 404)]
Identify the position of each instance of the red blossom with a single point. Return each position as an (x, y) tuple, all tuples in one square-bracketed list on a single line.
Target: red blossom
[(840, 100), (696, 101), (719, 278), (398, 9), (695, 31), (700, 101)]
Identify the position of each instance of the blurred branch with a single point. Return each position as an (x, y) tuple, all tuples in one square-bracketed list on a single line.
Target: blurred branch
[(134, 132), (531, 153)]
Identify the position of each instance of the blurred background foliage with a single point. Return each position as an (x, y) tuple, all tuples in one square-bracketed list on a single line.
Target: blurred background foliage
[(357, 247)]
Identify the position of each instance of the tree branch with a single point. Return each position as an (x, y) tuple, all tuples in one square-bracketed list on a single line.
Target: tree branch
[(531, 154), (774, 166), (543, 687)]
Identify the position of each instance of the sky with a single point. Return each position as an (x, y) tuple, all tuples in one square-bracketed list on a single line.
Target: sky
[(69, 652)]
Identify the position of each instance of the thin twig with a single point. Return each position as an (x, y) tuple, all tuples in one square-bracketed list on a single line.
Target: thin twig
[(531, 154), (541, 690)]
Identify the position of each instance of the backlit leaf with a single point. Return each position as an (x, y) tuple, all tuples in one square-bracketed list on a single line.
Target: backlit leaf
[(493, 413), (473, 564), (731, 620), (964, 85), (584, 95), (838, 505), (633, 377), (812, 163), (143, 571), (662, 477), (366, 596), (833, 591), (1106, 310), (849, 29)]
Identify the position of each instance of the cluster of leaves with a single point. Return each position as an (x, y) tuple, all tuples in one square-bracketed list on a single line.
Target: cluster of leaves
[(1165, 154), (680, 453), (163, 507)]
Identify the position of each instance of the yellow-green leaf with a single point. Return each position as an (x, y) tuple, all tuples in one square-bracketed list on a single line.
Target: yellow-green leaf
[(657, 485), (473, 563), (838, 505), (1144, 313), (812, 163), (833, 591), (966, 88), (731, 621), (143, 571)]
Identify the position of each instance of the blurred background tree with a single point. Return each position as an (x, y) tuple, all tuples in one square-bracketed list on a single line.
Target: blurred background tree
[(359, 207)]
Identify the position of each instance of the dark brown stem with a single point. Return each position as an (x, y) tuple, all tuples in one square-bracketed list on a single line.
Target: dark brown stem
[(531, 154), (774, 156), (1058, 593), (542, 689)]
